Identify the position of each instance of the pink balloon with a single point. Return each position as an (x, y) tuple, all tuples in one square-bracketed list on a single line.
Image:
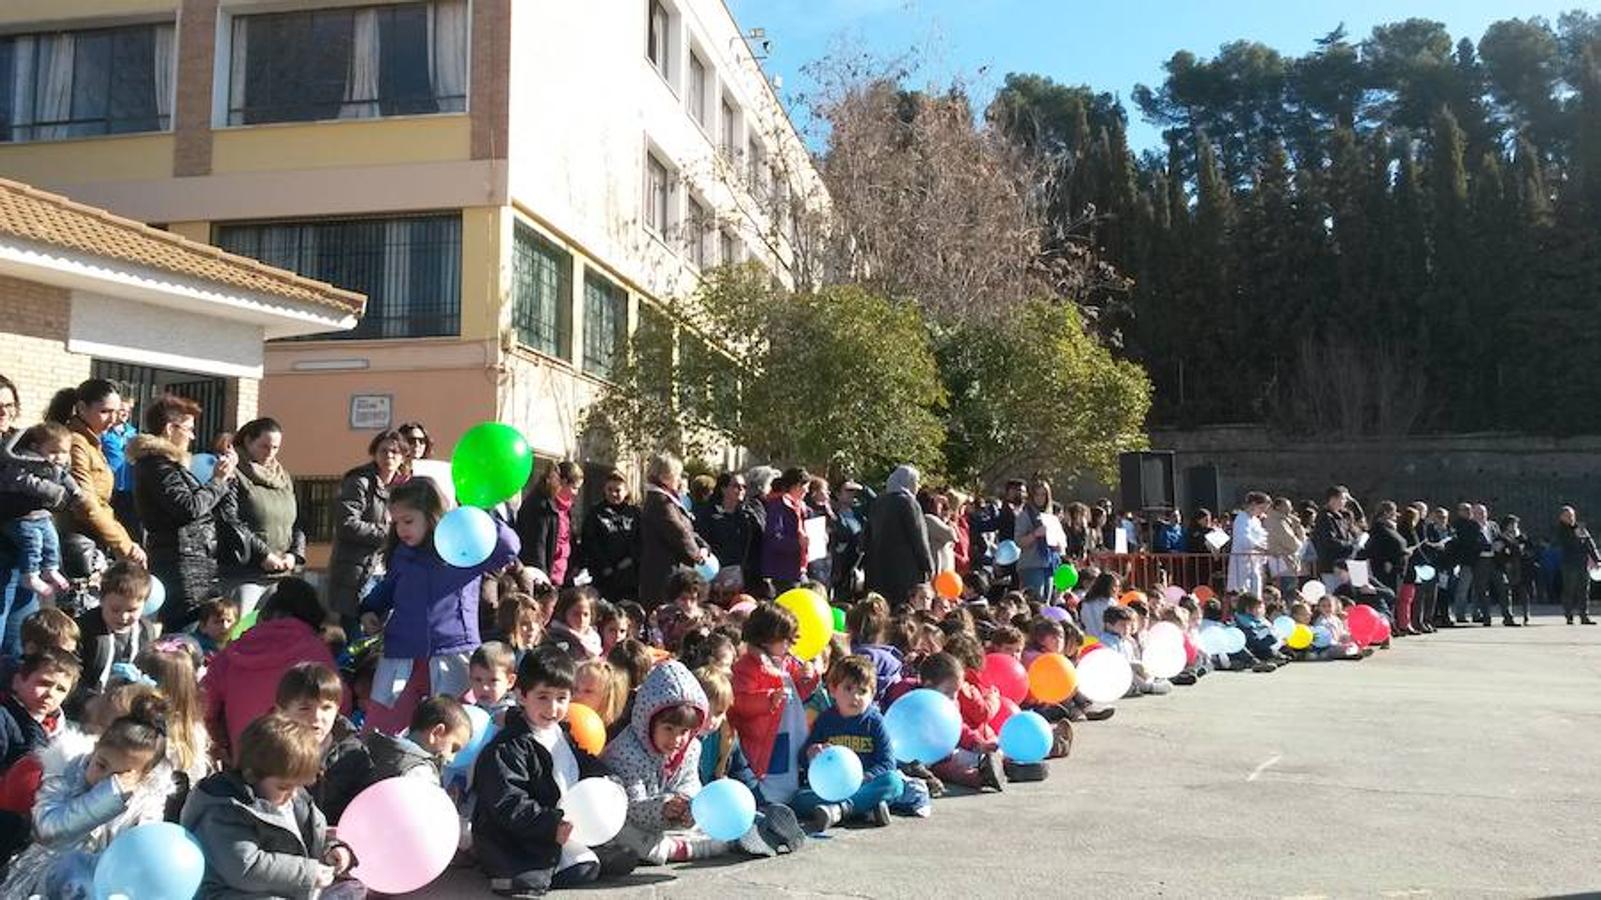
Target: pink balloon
[(1173, 593), (1002, 714), (1191, 652), (1056, 613), (404, 832), (1007, 675)]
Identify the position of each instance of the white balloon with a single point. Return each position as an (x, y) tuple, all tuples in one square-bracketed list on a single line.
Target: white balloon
[(1165, 658), (1235, 638), (1313, 591), (1425, 573), (1104, 676), (1212, 639), (1164, 632), (597, 807)]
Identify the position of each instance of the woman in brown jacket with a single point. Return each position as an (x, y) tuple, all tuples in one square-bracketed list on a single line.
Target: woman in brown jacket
[(666, 533), (87, 411)]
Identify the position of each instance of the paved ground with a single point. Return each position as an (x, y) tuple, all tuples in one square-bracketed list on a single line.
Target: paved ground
[(1459, 765)]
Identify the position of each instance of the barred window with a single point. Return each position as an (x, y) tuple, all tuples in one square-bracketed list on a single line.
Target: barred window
[(542, 294), (605, 324)]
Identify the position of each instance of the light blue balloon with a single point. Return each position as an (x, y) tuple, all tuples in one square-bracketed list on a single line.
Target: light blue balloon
[(156, 861), (1007, 553), (202, 465), (1283, 627), (923, 726), (1322, 637), (1026, 737), (465, 536), (835, 774), (1235, 640), (1212, 639), (724, 809), (483, 731), (158, 596), (709, 568)]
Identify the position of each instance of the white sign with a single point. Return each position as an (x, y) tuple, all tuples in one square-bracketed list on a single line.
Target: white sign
[(1358, 568), (816, 538), (371, 412)]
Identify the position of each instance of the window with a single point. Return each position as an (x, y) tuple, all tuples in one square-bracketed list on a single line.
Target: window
[(652, 346), (695, 225), (409, 268), (605, 324), (658, 40), (730, 131), (728, 248), (758, 172), (658, 195), (351, 63), (699, 86), (76, 83), (542, 283)]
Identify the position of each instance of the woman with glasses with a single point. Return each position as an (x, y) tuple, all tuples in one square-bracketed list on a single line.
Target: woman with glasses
[(726, 528), (179, 511), (362, 522), (418, 444)]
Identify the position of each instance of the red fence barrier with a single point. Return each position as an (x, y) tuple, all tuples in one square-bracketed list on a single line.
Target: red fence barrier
[(1187, 570)]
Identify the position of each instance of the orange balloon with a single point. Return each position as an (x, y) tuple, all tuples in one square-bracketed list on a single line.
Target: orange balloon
[(587, 729), (1051, 678), (1131, 596), (948, 585), (1204, 592)]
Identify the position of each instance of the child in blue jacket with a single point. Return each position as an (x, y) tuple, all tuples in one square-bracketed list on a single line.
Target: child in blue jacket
[(852, 722)]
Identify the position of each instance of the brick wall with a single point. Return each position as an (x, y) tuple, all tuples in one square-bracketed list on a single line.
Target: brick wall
[(244, 395), (33, 349), (197, 50)]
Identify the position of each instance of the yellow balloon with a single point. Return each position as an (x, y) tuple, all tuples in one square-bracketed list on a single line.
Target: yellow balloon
[(816, 622), (1300, 638)]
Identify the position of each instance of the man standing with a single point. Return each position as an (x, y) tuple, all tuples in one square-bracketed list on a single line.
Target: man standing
[(1489, 587), (1332, 534)]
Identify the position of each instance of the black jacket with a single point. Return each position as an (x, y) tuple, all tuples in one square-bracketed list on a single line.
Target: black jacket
[(375, 757), (1386, 551), (898, 556), (609, 548), (1333, 537), (180, 517), (20, 733), (1468, 541), (728, 535), (516, 814), (538, 527), (97, 649)]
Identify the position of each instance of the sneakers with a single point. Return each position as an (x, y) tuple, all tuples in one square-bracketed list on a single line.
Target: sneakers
[(1100, 713), (754, 844), (936, 788), (781, 830), (989, 775), (824, 817), (1024, 772), (1264, 667), (1157, 687), (1586, 621), (879, 817), (1061, 740), (1184, 679), (1510, 622)]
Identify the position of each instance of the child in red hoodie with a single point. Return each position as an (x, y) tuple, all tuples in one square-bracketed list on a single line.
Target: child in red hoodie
[(770, 688)]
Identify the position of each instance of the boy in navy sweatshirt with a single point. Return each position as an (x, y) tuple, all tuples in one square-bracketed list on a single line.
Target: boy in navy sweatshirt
[(854, 723)]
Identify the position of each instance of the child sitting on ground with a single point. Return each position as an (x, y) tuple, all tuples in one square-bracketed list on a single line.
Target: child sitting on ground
[(492, 671), (572, 626), (722, 757), (170, 664), (852, 722), (1006, 640), (1249, 617), (868, 622), (710, 648), (34, 482), (1341, 645), (598, 685), (258, 828), (94, 790), (214, 627), (113, 632), (439, 729), (30, 717), (615, 625), (685, 610), (49, 627), (520, 622), (309, 694), (973, 763), (978, 701), (770, 688)]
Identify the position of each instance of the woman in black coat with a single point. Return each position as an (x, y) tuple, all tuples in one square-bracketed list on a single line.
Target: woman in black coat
[(361, 523), (898, 556), (609, 544), (1386, 550), (179, 512)]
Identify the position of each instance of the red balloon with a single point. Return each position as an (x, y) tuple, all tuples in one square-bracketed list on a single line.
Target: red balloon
[(1002, 714), (1007, 675), (1367, 626), (1191, 652)]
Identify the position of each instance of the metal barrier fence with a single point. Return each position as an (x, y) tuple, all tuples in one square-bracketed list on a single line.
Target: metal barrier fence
[(1187, 570)]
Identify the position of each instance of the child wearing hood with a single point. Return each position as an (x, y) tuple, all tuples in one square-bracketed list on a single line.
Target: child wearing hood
[(868, 622), (657, 761)]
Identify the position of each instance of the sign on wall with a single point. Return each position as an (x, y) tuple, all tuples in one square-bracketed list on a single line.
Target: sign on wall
[(371, 412)]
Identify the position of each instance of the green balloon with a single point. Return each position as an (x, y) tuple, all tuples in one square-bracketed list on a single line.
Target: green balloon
[(839, 620), (492, 463), (245, 623), (1066, 577)]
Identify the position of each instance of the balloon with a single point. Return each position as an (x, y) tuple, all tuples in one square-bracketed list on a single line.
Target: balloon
[(1052, 678), (839, 620), (1595, 574), (491, 463), (403, 832), (1164, 656), (1131, 597), (1322, 637), (948, 585), (1090, 643), (1007, 553), (724, 809), (587, 728), (158, 596), (1425, 573), (923, 726), (153, 861), (1173, 593), (1192, 652), (1282, 626), (1066, 577), (1006, 674), (1300, 637), (708, 569), (1164, 632), (1234, 639), (597, 807), (1006, 711), (835, 774), (1026, 738), (743, 606), (245, 623), (1313, 591), (1213, 640), (1056, 613), (816, 622), (1204, 592), (483, 729), (202, 465), (1365, 625), (465, 536), (1104, 677)]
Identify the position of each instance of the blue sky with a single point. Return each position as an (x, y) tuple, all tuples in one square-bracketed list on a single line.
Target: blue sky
[(1110, 46)]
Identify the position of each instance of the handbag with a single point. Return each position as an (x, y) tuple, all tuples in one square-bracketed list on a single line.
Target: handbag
[(233, 544)]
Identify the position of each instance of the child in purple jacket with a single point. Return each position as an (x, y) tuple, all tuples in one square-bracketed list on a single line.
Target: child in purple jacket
[(431, 607)]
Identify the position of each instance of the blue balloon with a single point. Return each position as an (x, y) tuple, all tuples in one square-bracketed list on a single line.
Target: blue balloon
[(1322, 637), (1026, 737), (483, 730), (923, 726), (1283, 627), (709, 568), (1234, 639), (724, 809), (158, 596), (1007, 553), (202, 465), (835, 774), (155, 861), (465, 536)]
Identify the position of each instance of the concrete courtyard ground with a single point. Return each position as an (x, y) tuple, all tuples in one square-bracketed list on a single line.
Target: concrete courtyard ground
[(1464, 764)]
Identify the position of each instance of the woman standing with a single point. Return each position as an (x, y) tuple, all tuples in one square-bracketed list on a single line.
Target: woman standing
[(609, 548), (363, 524), (1248, 544), (727, 529), (88, 411), (898, 557), (545, 521), (1286, 537), (268, 514), (10, 409), (941, 536), (666, 534), (1042, 539), (419, 445), (179, 512), (784, 545)]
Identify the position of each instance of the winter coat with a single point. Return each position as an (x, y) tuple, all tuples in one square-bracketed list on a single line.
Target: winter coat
[(898, 556), (1386, 551), (666, 542), (371, 759), (752, 715), (249, 853), (98, 646), (265, 498), (941, 542), (1334, 538), (516, 811), (727, 535), (29, 483), (1286, 536), (433, 606), (180, 517), (538, 527), (887, 664), (241, 681), (70, 817), (608, 547), (1576, 546), (1468, 541), (361, 525), (95, 519), (21, 733), (978, 702), (783, 540), (648, 776)]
